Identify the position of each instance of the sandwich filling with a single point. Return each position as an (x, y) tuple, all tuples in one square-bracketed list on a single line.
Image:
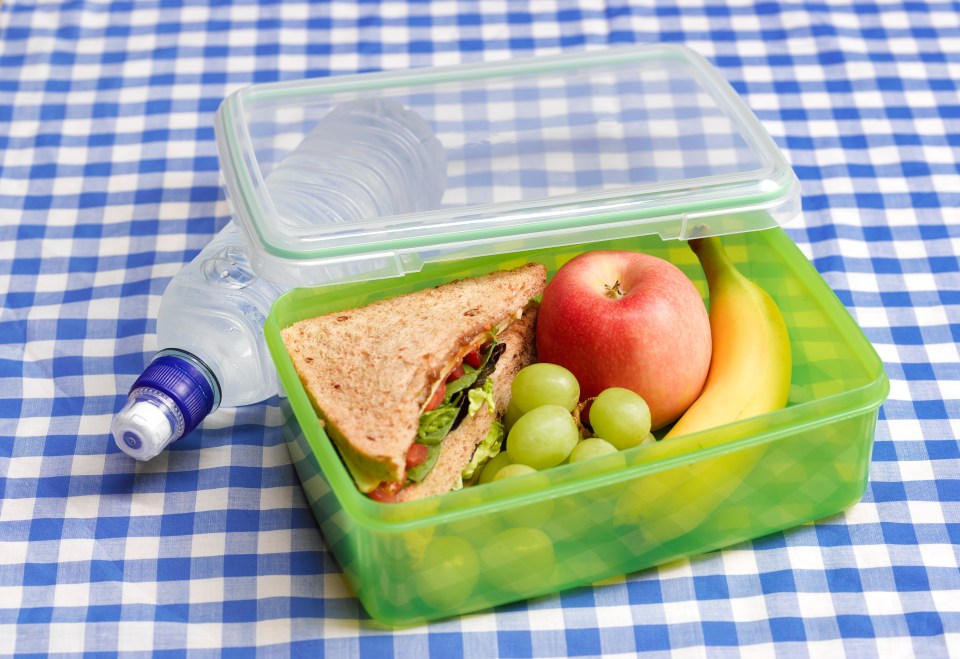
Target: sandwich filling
[(464, 390)]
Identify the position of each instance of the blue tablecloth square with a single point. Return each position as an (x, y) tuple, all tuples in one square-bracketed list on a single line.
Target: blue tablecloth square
[(719, 634), (651, 637)]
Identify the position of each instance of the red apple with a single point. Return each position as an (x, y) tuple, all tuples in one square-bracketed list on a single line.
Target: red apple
[(625, 319)]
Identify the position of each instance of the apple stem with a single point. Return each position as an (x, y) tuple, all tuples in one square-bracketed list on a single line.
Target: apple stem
[(614, 292)]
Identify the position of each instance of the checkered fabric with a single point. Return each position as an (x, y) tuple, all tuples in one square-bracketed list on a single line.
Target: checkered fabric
[(109, 184)]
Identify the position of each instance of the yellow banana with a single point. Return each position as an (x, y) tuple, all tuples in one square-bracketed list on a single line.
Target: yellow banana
[(751, 363)]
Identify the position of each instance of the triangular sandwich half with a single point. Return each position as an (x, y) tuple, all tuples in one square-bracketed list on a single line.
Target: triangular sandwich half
[(386, 376)]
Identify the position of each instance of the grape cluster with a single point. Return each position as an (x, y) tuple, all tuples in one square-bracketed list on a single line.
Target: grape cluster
[(542, 431)]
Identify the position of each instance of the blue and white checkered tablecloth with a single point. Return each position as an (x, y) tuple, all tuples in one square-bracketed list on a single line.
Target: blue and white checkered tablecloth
[(109, 184)]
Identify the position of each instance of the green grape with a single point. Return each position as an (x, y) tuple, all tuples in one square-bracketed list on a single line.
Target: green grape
[(621, 417), (544, 384), (449, 575), (510, 416), (543, 437), (512, 470), (591, 448), (519, 560), (495, 464), (649, 439), (537, 511)]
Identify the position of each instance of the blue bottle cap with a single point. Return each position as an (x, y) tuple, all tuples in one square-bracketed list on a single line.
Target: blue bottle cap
[(172, 396), (187, 386)]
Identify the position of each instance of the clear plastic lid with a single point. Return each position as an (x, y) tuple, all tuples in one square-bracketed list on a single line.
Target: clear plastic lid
[(535, 153)]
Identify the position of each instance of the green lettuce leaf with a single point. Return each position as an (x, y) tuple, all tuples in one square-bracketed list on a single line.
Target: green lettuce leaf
[(485, 371), (488, 448), (436, 424), (464, 396), (473, 375), (465, 381), (480, 395)]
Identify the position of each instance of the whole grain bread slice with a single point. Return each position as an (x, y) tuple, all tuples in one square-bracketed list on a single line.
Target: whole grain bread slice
[(369, 371), (458, 447)]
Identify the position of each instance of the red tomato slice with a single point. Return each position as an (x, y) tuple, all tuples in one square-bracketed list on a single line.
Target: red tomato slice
[(417, 454), (386, 492), (456, 373), (437, 399), (473, 358)]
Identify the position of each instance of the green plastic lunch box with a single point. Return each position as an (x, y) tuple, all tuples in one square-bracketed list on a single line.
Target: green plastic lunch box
[(637, 148)]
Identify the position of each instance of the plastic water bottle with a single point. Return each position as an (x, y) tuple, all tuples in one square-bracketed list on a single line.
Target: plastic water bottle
[(369, 158), (364, 159)]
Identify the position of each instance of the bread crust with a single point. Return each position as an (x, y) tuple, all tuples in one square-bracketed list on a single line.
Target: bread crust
[(368, 371)]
